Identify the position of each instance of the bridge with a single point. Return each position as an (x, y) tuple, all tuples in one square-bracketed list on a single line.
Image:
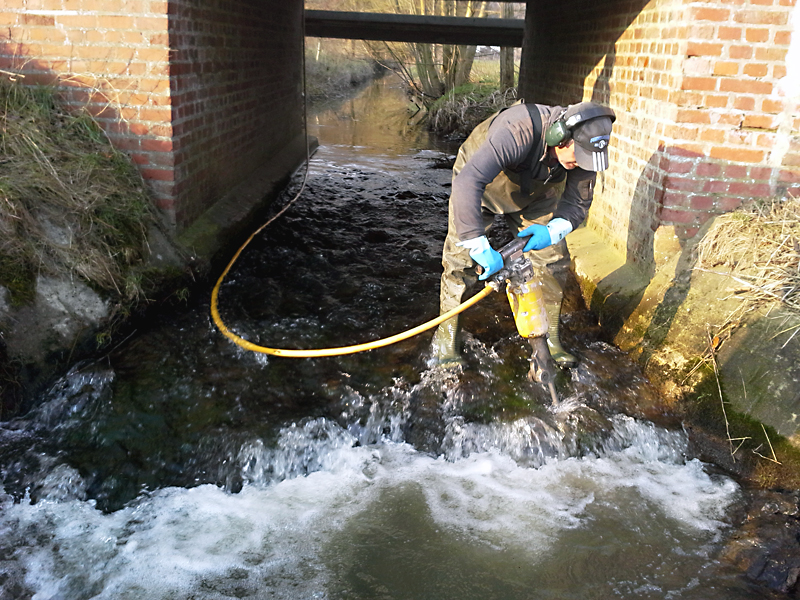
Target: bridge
[(205, 96), (414, 28)]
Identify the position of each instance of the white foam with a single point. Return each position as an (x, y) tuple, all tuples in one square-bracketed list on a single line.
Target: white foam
[(204, 542)]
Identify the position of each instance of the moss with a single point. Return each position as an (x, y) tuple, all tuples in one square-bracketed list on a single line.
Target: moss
[(19, 278), (750, 438)]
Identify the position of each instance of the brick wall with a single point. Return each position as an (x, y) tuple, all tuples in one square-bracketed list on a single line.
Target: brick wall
[(111, 55), (704, 121), (236, 91), (199, 93)]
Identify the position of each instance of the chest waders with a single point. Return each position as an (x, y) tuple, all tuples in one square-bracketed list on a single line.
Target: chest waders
[(524, 199)]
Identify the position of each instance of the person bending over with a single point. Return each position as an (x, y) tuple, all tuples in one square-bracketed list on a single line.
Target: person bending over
[(536, 165)]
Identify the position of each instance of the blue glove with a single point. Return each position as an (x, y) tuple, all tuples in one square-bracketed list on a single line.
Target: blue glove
[(543, 236), (540, 237), (483, 254)]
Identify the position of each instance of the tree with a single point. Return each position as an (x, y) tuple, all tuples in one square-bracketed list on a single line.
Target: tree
[(430, 70)]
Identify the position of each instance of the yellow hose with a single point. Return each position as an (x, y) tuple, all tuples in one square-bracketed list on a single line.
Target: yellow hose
[(316, 353), (319, 352)]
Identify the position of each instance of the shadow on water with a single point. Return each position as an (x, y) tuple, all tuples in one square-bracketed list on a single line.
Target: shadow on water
[(182, 466)]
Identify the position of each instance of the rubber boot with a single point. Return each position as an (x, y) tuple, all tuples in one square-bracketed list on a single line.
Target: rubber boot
[(445, 344), (561, 356)]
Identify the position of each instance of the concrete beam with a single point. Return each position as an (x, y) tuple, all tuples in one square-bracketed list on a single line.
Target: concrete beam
[(415, 28)]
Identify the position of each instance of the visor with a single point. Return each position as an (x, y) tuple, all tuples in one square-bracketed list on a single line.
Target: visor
[(591, 144)]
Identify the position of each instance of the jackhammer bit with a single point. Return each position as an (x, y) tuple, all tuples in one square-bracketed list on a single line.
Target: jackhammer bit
[(543, 366), (527, 303)]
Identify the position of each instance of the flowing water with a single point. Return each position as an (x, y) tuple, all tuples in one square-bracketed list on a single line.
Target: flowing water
[(182, 467)]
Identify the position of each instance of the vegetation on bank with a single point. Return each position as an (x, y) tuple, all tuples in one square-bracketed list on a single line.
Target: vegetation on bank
[(69, 202), (334, 68), (457, 113), (757, 247)]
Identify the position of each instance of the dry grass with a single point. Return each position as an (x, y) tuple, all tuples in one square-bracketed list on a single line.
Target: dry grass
[(759, 247), (69, 202), (457, 113)]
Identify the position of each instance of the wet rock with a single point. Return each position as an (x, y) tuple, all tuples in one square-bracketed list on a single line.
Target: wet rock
[(424, 428), (767, 546), (584, 429), (376, 236), (611, 382), (12, 578), (42, 336), (62, 308)]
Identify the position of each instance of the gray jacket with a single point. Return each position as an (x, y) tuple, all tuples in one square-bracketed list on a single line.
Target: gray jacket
[(504, 166)]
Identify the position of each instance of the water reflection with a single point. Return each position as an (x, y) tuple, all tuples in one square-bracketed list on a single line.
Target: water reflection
[(382, 117)]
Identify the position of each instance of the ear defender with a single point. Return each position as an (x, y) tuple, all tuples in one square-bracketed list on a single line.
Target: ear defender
[(557, 133), (561, 130)]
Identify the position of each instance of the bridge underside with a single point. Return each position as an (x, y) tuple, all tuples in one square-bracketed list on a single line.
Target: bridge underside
[(414, 28)]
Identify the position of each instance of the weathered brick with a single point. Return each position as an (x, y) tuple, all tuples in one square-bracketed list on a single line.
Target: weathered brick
[(706, 169), (699, 83), (729, 203), (761, 17), (702, 13), (761, 173), (759, 121), (726, 68), (769, 105), (159, 174), (716, 186), (737, 154), (701, 203), (37, 20), (745, 86), (787, 176), (703, 49), (727, 33), (115, 22), (715, 100), (740, 52), (684, 184), (757, 34), (669, 216), (693, 116), (756, 69), (751, 190), (773, 54), (736, 171)]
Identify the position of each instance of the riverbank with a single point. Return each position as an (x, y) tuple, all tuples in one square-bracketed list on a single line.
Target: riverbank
[(82, 250), (727, 357), (726, 364)]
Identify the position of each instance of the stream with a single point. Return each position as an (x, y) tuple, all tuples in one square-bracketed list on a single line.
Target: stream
[(180, 466)]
